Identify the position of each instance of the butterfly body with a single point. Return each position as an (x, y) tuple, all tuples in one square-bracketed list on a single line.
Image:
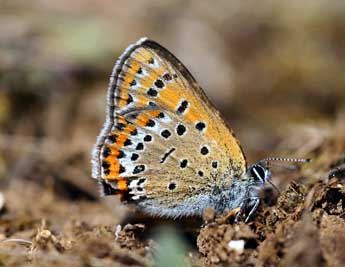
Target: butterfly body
[(218, 198), (164, 147)]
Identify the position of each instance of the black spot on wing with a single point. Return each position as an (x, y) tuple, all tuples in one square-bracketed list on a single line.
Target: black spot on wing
[(152, 92), (151, 61), (159, 84), (150, 123), (105, 164), (122, 169), (200, 126), (172, 186), (112, 138), (141, 181), (133, 83), (180, 129), (129, 99), (134, 156), (134, 132), (121, 154), (120, 126), (106, 152), (204, 150), (140, 146), (161, 115), (139, 169), (183, 163), (182, 107), (148, 138), (166, 133), (128, 142), (167, 77)]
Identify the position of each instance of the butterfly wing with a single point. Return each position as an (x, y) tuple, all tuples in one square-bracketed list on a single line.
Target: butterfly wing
[(163, 145)]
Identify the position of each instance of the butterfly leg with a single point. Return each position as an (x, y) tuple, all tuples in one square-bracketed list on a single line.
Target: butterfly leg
[(253, 209), (240, 212)]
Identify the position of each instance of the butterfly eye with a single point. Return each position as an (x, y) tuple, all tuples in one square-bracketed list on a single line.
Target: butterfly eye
[(258, 173)]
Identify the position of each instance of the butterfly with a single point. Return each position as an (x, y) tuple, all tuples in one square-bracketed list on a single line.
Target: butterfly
[(165, 147)]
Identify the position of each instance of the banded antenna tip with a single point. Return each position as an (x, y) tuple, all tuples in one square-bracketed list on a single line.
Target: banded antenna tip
[(302, 160)]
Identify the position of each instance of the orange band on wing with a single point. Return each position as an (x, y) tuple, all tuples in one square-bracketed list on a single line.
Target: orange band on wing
[(122, 184)]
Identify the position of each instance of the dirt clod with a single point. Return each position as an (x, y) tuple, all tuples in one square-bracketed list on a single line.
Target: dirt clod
[(332, 239), (213, 241)]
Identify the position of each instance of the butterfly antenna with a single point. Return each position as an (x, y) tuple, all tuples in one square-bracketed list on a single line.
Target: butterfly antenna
[(295, 160), (282, 166), (274, 186)]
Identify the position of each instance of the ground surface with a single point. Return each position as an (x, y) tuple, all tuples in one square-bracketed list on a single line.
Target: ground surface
[(304, 224), (275, 72)]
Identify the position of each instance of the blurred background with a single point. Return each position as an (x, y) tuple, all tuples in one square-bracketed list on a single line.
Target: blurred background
[(275, 69)]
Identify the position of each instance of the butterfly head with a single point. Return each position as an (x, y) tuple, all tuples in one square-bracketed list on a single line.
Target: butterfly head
[(259, 172), (246, 193)]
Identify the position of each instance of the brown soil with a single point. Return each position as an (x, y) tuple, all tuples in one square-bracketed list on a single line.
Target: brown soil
[(304, 225)]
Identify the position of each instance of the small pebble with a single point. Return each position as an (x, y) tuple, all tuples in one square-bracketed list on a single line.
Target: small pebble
[(237, 245), (117, 231)]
